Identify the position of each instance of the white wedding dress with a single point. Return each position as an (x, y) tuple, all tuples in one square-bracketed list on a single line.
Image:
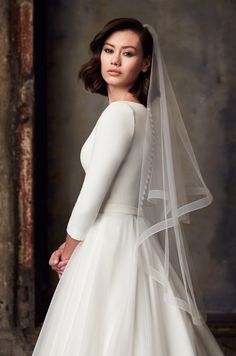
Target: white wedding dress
[(104, 304)]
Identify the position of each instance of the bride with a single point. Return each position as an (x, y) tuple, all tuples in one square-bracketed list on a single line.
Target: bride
[(125, 286)]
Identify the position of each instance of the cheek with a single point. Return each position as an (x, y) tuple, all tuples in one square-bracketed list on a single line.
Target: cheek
[(103, 67), (103, 61), (134, 69)]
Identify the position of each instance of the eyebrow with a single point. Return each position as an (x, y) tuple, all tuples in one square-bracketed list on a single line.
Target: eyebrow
[(123, 47)]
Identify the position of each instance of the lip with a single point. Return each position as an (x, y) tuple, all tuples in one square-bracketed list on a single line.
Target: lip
[(114, 72)]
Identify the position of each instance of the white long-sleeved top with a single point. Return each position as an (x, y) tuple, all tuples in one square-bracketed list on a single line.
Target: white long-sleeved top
[(111, 158)]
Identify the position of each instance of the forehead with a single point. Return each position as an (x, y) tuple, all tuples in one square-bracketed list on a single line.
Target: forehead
[(124, 38)]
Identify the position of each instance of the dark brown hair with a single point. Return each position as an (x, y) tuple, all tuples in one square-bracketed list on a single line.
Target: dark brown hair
[(90, 72)]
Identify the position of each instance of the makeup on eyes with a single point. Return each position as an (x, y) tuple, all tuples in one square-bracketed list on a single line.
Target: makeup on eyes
[(125, 52)]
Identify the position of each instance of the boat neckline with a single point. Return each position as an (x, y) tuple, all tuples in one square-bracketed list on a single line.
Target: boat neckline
[(127, 101)]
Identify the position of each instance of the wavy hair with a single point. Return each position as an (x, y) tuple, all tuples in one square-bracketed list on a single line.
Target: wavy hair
[(90, 72)]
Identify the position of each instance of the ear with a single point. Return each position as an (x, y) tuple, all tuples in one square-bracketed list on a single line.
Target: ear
[(146, 64)]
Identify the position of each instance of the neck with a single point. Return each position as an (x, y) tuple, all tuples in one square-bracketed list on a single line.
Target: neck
[(119, 94)]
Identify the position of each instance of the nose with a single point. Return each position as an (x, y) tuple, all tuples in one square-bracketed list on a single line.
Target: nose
[(115, 60)]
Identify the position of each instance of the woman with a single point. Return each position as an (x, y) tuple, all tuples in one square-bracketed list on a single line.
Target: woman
[(126, 289)]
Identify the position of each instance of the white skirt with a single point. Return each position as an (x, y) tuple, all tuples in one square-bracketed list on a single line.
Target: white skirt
[(105, 305)]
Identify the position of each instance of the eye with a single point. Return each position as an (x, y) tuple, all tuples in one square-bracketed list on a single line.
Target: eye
[(128, 54), (108, 50)]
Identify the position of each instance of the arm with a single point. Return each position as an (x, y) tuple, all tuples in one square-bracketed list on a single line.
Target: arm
[(113, 139), (70, 245)]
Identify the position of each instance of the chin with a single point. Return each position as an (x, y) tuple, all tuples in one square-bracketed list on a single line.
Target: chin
[(116, 82)]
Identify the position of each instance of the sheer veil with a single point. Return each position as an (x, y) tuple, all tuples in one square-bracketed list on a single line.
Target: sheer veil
[(171, 187)]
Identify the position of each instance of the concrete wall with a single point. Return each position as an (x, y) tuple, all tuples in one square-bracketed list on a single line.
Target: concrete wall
[(6, 183), (197, 40), (16, 260)]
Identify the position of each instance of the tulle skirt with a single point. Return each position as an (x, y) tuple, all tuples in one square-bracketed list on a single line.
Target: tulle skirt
[(106, 305)]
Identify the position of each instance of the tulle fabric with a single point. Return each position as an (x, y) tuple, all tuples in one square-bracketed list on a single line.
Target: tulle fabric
[(105, 304), (171, 187)]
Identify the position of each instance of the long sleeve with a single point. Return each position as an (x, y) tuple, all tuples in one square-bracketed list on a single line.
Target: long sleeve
[(115, 129)]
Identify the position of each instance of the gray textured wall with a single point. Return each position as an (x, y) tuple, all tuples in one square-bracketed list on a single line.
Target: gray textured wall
[(197, 40)]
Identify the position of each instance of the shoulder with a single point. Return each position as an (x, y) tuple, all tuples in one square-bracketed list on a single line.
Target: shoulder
[(119, 109), (118, 116), (120, 106)]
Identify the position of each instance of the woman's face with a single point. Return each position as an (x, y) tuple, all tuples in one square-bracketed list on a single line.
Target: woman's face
[(122, 59)]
